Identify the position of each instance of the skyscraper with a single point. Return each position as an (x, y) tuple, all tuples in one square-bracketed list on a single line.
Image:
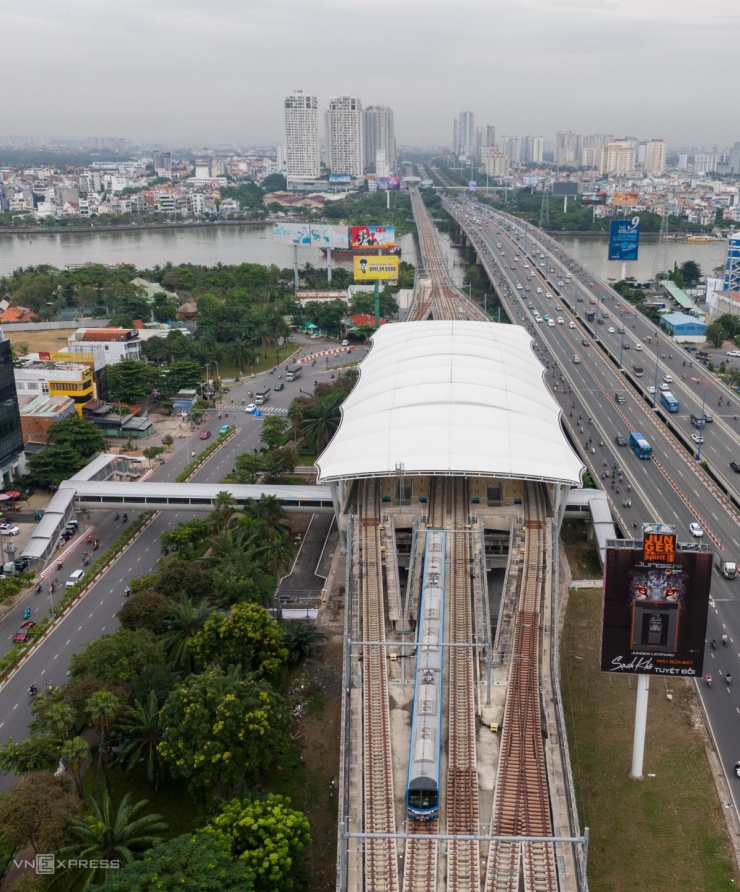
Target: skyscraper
[(655, 154), (568, 148), (301, 137), (11, 436), (378, 135), (731, 280), (464, 134), (618, 157), (343, 121), (485, 141)]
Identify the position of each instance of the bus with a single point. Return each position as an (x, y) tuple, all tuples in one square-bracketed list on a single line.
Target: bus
[(640, 446), (637, 369), (293, 372), (668, 401)]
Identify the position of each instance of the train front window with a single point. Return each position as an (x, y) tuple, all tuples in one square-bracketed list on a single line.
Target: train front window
[(422, 799)]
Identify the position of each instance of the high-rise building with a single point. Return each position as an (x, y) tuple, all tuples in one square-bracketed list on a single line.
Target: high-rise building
[(11, 436), (655, 155), (617, 158), (533, 149), (343, 121), (704, 163), (731, 281), (485, 141), (162, 161), (734, 159), (511, 149), (302, 160), (497, 164), (463, 140), (379, 135), (568, 148)]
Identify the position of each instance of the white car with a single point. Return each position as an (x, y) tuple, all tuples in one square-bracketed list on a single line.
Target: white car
[(345, 343), (651, 389), (548, 294), (638, 346), (697, 438), (561, 283), (734, 353), (250, 408), (519, 286), (695, 529), (561, 321), (664, 386), (7, 529), (668, 379), (538, 319), (551, 323), (611, 329), (571, 325)]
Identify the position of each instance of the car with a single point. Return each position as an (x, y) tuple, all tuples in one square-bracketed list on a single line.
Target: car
[(561, 283), (571, 325), (626, 345), (22, 634), (611, 329), (74, 579), (538, 319), (638, 346), (735, 466), (279, 386), (697, 438), (250, 407), (206, 435), (519, 286), (668, 379), (551, 323), (23, 563), (576, 358), (539, 290), (600, 321), (546, 318), (664, 386), (707, 417), (345, 343), (734, 353), (558, 308), (620, 440), (695, 529), (548, 294), (224, 430), (561, 321), (651, 389), (7, 529), (584, 342)]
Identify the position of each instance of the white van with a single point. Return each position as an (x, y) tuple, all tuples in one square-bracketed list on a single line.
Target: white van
[(74, 579)]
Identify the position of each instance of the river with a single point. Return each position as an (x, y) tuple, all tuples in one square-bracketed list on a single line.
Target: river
[(208, 245)]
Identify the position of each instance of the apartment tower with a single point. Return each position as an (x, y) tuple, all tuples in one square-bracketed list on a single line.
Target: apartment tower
[(302, 159), (379, 135), (343, 121), (655, 153)]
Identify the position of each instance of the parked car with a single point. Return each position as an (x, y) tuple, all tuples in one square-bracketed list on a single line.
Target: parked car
[(74, 579), (205, 435), (7, 529), (22, 634)]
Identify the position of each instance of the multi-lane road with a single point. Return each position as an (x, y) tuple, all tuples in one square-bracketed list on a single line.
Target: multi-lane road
[(95, 613), (672, 488)]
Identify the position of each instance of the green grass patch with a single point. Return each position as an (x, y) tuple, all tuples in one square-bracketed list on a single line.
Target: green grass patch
[(667, 831)]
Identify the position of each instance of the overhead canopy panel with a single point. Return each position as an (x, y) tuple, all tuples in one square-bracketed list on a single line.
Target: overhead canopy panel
[(448, 397)]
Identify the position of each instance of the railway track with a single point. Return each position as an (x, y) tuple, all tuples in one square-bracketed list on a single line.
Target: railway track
[(381, 861), (521, 803)]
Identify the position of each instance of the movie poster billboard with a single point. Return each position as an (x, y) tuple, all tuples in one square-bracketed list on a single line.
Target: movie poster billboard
[(373, 236), (374, 267), (292, 233), (624, 239), (389, 184), (654, 611)]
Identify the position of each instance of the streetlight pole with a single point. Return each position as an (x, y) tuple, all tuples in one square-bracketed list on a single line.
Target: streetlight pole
[(655, 382), (703, 421)]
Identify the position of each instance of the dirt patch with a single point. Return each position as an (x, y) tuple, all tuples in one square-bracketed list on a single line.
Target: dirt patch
[(51, 340)]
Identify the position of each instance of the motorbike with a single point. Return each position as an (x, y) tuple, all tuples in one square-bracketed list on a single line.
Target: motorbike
[(708, 680), (27, 613), (737, 769)]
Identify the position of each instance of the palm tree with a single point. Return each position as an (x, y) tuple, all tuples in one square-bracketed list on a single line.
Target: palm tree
[(242, 350), (276, 551), (110, 834), (186, 619), (102, 709), (301, 640), (142, 727), (223, 509), (269, 510), (73, 753), (272, 466), (321, 420), (56, 716)]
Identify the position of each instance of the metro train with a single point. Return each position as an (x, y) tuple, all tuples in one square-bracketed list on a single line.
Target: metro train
[(422, 786)]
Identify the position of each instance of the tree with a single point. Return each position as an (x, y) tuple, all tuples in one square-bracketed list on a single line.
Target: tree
[(103, 708), (152, 452), (186, 374), (117, 658), (146, 609), (224, 506), (691, 272), (321, 420), (164, 307), (267, 835), (269, 511), (111, 834), (186, 536), (75, 753), (274, 182), (246, 637), (54, 464), (180, 577), (141, 728), (185, 621), (31, 754), (36, 810), (77, 433), (715, 334), (301, 640), (273, 431), (222, 730), (197, 863), (129, 380), (274, 464)]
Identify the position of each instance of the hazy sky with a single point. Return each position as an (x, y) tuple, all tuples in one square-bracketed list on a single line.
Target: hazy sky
[(218, 70)]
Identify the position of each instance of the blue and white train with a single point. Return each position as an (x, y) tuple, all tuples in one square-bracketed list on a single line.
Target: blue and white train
[(422, 787)]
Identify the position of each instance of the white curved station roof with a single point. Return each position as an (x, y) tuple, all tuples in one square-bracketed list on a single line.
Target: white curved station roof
[(448, 397)]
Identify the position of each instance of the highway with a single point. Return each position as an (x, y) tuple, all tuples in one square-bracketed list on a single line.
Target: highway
[(94, 614), (672, 488)]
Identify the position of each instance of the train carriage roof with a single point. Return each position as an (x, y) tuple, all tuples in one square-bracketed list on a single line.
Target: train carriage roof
[(451, 398)]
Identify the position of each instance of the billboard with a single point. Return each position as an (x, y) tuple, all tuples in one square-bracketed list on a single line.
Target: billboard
[(625, 199), (310, 235), (593, 198), (565, 188), (343, 179), (292, 233), (472, 186), (372, 236), (329, 236), (373, 267), (654, 611), (624, 239), (387, 184)]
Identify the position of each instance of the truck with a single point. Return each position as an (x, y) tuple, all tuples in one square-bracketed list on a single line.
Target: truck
[(590, 315), (261, 396), (727, 568), (293, 372)]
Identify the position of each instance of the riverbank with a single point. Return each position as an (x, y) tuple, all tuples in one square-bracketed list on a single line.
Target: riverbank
[(126, 227)]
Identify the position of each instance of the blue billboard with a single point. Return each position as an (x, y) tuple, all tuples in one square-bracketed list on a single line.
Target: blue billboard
[(472, 186), (624, 239)]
